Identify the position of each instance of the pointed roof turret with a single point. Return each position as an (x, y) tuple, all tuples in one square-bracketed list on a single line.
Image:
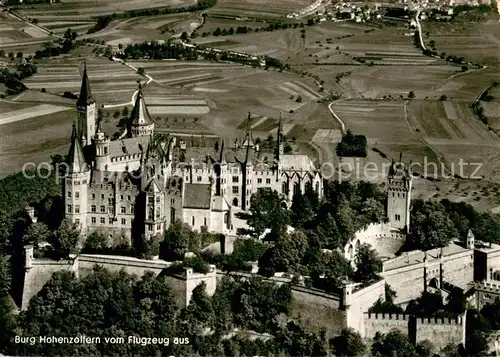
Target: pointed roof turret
[(140, 115), (85, 97), (76, 159)]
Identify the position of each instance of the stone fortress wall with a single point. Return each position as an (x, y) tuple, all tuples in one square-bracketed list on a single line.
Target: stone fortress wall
[(439, 331), (380, 236), (39, 271)]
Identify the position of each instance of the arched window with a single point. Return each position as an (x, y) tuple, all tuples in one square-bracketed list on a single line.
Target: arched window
[(235, 202)]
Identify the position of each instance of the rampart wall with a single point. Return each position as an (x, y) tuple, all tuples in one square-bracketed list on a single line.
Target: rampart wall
[(438, 330), (358, 302), (379, 235), (39, 274)]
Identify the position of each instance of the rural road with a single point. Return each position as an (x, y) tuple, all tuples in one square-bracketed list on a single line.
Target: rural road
[(342, 125), (40, 28), (420, 29)]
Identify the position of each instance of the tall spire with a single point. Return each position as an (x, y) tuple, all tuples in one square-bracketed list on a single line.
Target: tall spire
[(76, 159), (248, 132), (85, 97), (140, 115)]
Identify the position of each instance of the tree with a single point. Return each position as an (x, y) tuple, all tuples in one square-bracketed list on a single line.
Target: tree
[(65, 241), (330, 271), (5, 275), (411, 95), (287, 253), (176, 241), (37, 233), (140, 71), (267, 211), (443, 98), (431, 227), (368, 264), (348, 344), (393, 343), (125, 112), (424, 348), (450, 350)]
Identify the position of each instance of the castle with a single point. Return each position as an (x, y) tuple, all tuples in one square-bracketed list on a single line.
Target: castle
[(143, 181)]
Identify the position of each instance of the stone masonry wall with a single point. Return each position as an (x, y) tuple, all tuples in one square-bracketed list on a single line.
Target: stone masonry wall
[(360, 301)]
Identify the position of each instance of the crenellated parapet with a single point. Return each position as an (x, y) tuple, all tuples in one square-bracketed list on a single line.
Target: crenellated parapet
[(456, 320), (376, 316)]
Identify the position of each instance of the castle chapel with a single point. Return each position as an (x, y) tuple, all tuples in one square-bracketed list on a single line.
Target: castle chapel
[(143, 181)]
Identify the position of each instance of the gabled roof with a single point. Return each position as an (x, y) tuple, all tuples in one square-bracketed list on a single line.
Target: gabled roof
[(85, 97), (197, 196), (76, 159), (140, 115)]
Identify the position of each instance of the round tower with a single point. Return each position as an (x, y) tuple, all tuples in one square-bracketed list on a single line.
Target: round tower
[(102, 155)]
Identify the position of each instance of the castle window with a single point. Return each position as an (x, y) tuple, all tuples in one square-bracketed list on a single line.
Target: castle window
[(150, 200), (235, 202), (268, 181), (205, 221), (121, 197), (105, 150), (69, 194), (93, 208), (102, 196), (77, 209), (110, 220), (172, 201), (124, 221), (398, 194), (236, 179), (77, 221), (393, 194), (93, 220), (102, 220), (259, 180), (150, 227), (69, 208), (198, 179), (192, 220), (158, 199), (93, 196), (236, 189), (128, 198), (123, 210), (132, 209), (103, 209), (77, 194)]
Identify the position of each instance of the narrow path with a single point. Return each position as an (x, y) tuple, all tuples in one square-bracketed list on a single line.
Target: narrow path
[(132, 100), (342, 125), (40, 28)]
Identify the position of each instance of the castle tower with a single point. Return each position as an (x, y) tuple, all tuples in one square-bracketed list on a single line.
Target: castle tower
[(220, 172), (102, 155), (86, 108), (140, 122), (400, 181), (280, 150), (470, 240), (75, 185)]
